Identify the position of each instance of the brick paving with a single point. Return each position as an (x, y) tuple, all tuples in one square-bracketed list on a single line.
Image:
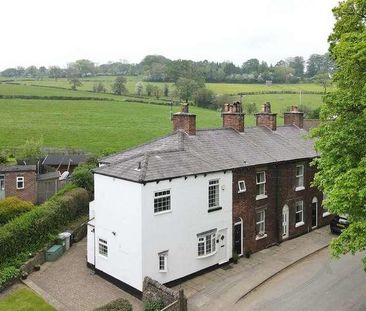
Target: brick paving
[(68, 284)]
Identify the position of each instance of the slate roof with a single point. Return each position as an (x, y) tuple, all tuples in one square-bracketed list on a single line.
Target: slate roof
[(48, 176), (17, 168), (212, 150)]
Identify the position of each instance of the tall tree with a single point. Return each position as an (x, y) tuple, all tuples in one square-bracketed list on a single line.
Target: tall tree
[(342, 135), (186, 88), (119, 85)]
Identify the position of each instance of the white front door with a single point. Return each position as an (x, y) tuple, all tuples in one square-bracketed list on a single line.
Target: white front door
[(221, 240), (285, 223)]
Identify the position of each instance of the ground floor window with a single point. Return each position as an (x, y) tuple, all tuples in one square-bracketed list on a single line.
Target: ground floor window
[(206, 244), (299, 216), (163, 261), (260, 224), (103, 247)]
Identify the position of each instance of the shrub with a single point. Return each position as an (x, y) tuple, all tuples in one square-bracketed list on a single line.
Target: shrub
[(83, 177), (7, 274), (3, 157), (32, 230), (12, 207), (116, 305), (153, 305)]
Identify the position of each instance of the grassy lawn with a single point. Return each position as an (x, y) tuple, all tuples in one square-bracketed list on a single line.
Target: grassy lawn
[(24, 299)]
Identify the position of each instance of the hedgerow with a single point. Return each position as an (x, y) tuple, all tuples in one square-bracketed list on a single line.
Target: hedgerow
[(33, 230), (12, 207)]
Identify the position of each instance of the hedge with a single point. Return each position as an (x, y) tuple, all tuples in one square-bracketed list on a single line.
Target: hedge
[(33, 229), (12, 207), (116, 305)]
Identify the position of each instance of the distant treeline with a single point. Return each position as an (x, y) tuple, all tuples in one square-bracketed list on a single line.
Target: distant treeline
[(157, 68)]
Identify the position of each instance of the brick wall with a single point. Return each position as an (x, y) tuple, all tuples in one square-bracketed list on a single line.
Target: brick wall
[(29, 193), (280, 190), (233, 120), (185, 122)]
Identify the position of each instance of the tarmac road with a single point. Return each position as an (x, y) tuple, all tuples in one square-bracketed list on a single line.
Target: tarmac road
[(315, 283)]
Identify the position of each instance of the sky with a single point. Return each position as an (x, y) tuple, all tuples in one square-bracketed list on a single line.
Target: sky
[(56, 32)]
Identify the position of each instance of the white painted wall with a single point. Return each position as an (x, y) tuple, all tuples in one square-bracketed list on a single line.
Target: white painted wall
[(117, 207), (176, 231)]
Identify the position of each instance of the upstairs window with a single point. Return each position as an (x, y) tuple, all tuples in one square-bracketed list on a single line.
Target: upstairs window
[(20, 182), (206, 244), (213, 194), (2, 182), (241, 186), (163, 261), (161, 201), (299, 177), (261, 185), (103, 247), (299, 213)]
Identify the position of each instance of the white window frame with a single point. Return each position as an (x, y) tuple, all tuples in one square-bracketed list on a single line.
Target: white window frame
[(241, 186), (260, 234), (163, 261), (213, 198), (103, 247), (206, 245), (20, 179), (300, 178), (260, 194), (162, 201), (2, 182), (299, 204)]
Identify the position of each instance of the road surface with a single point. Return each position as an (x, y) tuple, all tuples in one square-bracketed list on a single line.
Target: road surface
[(316, 283)]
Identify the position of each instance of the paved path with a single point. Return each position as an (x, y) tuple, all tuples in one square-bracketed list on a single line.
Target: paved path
[(222, 288), (68, 284), (315, 283)]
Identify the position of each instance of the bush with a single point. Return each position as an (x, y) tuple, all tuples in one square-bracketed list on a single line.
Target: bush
[(153, 305), (3, 157), (34, 229), (116, 305), (83, 177), (12, 207)]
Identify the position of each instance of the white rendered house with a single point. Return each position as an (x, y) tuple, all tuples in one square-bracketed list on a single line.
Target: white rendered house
[(151, 218)]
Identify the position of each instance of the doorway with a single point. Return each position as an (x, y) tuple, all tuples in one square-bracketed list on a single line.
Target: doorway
[(238, 237), (222, 245), (314, 213), (285, 222)]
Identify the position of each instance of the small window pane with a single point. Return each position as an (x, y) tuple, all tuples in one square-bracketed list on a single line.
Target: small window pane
[(213, 194), (241, 185), (103, 247), (162, 201)]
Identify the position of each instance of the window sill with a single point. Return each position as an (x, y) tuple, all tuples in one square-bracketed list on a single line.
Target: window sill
[(261, 196), (300, 188), (208, 255), (299, 224), (260, 237), (163, 212), (241, 191), (163, 271), (326, 214), (102, 256), (213, 209)]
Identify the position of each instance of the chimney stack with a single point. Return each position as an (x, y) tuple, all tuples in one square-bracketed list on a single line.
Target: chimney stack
[(266, 117), (294, 117), (233, 116), (184, 120)]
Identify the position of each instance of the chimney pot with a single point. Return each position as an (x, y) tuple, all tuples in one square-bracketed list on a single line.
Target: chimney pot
[(294, 117), (266, 118), (233, 116), (184, 120)]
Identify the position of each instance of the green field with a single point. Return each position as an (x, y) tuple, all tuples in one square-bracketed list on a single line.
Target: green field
[(97, 126)]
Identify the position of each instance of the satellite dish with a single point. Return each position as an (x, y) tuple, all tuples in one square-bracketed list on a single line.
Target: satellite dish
[(64, 175)]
